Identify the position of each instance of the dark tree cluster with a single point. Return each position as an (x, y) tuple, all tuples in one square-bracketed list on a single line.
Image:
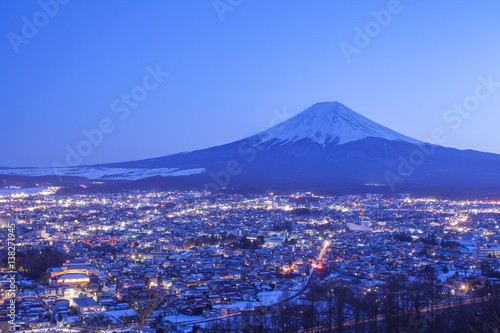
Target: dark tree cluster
[(246, 243), (223, 239), (34, 263), (402, 237), (284, 226), (300, 211), (429, 240), (451, 244)]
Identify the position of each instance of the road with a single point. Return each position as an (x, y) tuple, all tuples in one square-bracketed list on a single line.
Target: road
[(312, 272)]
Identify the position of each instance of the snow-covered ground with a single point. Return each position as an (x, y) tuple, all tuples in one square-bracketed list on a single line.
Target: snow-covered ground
[(270, 297), (9, 191), (181, 318), (115, 314), (101, 173), (242, 305)]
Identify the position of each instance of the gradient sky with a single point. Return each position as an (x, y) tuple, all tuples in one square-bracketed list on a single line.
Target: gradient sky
[(227, 76)]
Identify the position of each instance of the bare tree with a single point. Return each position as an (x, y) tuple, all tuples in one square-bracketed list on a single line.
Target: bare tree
[(395, 301), (286, 318), (432, 290), (329, 309), (355, 304), (370, 303), (338, 296), (144, 302)]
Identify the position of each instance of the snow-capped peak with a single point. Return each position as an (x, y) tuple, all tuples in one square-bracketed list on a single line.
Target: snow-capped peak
[(330, 122)]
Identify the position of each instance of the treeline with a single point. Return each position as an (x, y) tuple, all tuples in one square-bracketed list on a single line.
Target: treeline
[(226, 239), (399, 305), (223, 239), (428, 240)]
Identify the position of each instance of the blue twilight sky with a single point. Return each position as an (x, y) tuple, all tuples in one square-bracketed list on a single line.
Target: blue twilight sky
[(226, 76)]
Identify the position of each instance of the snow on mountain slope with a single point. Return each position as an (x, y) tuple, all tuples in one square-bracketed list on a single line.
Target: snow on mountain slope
[(102, 173), (330, 122)]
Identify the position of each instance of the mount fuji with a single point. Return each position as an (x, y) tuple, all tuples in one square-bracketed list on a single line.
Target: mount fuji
[(330, 123), (327, 148)]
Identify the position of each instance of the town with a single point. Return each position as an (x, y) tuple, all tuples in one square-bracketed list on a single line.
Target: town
[(187, 261)]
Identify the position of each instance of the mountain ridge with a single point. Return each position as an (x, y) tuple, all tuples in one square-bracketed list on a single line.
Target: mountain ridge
[(331, 122), (326, 148)]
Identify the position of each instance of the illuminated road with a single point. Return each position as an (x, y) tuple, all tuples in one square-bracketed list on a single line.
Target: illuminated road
[(325, 246)]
